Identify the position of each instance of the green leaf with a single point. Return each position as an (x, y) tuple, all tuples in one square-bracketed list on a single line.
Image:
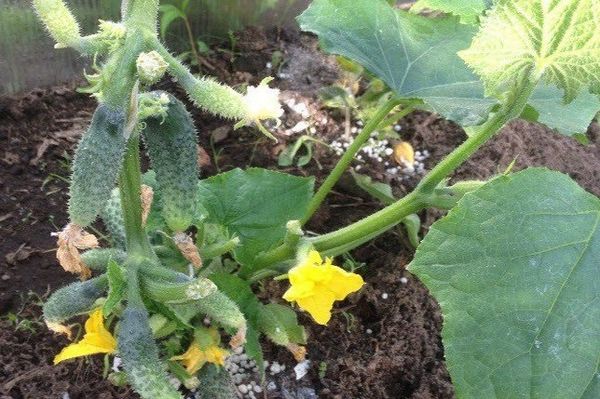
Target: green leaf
[(468, 10), (239, 291), (383, 192), (568, 119), (255, 205), (280, 324), (116, 287), (556, 40), (253, 348), (169, 13), (416, 56), (515, 269), (378, 190), (291, 152)]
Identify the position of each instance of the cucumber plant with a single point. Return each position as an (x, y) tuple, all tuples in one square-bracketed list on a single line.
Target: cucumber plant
[(514, 264)]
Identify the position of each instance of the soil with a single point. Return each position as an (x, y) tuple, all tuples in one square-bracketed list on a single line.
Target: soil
[(373, 347)]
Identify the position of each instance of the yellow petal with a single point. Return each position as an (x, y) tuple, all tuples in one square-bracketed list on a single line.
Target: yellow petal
[(193, 359), (91, 344), (344, 283), (299, 289), (315, 258), (97, 339), (216, 355), (319, 306)]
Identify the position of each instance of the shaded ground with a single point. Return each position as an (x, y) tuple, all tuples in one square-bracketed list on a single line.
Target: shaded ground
[(377, 348)]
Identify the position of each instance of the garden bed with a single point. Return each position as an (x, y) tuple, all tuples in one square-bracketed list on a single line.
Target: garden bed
[(382, 343)]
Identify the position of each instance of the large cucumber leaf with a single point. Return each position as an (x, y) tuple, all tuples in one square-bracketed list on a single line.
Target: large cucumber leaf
[(515, 267), (558, 40), (254, 205), (415, 56), (570, 119)]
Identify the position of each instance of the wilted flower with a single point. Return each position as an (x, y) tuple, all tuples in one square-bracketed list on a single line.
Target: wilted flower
[(203, 349)]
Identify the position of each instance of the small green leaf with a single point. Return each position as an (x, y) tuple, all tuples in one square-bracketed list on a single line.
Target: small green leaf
[(468, 10), (291, 152), (378, 190), (116, 287), (280, 324), (416, 56), (254, 205), (515, 269), (557, 40)]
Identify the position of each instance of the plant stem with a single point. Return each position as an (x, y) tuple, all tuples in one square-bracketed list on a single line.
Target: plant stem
[(351, 236), (365, 229), (129, 186), (348, 156), (511, 110)]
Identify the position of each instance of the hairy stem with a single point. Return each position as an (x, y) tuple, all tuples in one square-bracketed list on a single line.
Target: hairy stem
[(206, 93), (347, 158)]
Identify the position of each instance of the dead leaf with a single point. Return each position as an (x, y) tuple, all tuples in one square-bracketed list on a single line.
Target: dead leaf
[(146, 196), (298, 351), (188, 249), (72, 239)]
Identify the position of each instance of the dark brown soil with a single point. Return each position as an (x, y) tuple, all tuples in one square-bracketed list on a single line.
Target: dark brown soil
[(373, 348)]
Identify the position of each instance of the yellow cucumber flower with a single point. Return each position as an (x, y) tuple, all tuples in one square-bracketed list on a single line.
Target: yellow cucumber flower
[(316, 284), (97, 339), (200, 353)]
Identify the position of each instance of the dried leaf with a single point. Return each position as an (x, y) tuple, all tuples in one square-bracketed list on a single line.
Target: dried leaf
[(146, 196), (188, 249), (72, 239)]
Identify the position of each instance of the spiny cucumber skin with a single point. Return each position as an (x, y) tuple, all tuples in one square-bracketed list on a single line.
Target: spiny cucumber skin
[(171, 146), (97, 259), (222, 309), (59, 21), (74, 299), (112, 216), (96, 165), (140, 356), (215, 383)]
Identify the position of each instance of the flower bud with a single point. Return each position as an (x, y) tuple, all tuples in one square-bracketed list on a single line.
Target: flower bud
[(151, 67)]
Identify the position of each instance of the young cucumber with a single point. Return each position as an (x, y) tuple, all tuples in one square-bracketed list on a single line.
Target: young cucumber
[(171, 145), (74, 299), (96, 166), (140, 356)]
